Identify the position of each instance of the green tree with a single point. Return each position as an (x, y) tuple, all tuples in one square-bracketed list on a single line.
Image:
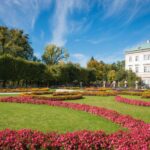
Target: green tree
[(54, 54), (111, 75), (15, 43), (99, 68)]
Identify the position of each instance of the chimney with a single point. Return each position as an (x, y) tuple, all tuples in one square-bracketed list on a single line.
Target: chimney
[(148, 41)]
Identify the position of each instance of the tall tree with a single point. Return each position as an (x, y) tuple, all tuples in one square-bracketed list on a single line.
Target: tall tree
[(111, 75), (15, 43), (99, 68), (54, 54)]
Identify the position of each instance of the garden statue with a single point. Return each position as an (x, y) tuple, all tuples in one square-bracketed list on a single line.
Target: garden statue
[(136, 84), (114, 84), (104, 84), (80, 84), (125, 84)]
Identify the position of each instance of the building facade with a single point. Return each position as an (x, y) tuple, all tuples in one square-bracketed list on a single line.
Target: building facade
[(138, 60)]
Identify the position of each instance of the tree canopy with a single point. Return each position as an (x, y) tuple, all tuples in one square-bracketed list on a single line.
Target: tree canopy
[(54, 54), (15, 43)]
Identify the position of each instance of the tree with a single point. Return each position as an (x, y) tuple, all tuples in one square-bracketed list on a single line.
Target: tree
[(111, 75), (54, 54), (99, 68), (15, 43)]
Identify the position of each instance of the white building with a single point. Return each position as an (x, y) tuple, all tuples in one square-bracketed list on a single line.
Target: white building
[(138, 60)]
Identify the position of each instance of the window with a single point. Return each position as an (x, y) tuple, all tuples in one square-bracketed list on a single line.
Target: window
[(130, 67), (130, 59), (136, 58), (146, 68), (136, 69), (146, 57)]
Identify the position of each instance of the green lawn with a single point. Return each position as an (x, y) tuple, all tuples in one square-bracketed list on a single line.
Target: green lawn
[(47, 118), (8, 95), (137, 98), (139, 112)]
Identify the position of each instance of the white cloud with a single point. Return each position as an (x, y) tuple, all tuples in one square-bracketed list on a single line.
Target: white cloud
[(61, 19), (127, 9), (80, 58), (21, 13), (113, 6)]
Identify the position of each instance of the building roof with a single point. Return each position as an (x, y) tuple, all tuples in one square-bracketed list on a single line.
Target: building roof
[(141, 47)]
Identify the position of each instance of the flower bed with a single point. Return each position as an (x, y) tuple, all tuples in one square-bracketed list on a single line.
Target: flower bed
[(58, 98), (38, 93), (134, 93), (101, 93), (138, 136), (97, 89), (27, 139), (65, 93), (24, 89), (146, 94), (132, 101)]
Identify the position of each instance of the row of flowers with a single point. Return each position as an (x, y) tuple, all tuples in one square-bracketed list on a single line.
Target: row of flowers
[(97, 89), (134, 93), (100, 93), (146, 94), (23, 89), (79, 140), (132, 101), (57, 98), (138, 136)]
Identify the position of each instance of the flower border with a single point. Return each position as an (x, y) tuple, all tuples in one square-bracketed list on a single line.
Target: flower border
[(138, 136)]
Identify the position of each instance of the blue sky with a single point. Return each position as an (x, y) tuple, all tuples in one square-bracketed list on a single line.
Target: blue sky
[(100, 28)]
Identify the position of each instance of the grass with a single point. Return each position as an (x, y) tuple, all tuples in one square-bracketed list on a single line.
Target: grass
[(137, 98), (7, 95), (46, 118), (139, 112)]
